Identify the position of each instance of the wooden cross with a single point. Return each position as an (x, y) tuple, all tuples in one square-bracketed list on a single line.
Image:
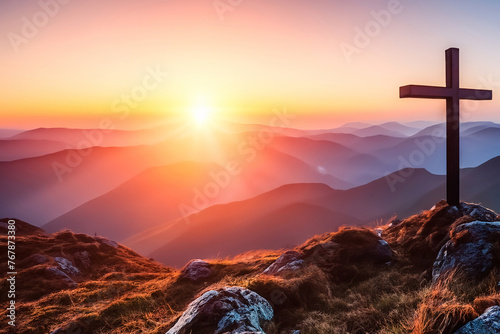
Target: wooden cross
[(452, 93)]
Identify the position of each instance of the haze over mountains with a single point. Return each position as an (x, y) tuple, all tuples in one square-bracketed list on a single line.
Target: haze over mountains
[(172, 192)]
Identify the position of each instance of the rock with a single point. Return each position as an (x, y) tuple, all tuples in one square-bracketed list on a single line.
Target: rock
[(61, 274), (106, 241), (196, 270), (288, 261), (488, 323), (67, 266), (383, 251), (470, 249), (82, 259), (477, 212), (233, 310)]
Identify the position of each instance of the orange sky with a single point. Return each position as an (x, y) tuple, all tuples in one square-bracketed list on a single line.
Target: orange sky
[(87, 56)]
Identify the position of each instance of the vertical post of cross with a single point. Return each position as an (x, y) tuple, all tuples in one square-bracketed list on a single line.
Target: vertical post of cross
[(453, 127)]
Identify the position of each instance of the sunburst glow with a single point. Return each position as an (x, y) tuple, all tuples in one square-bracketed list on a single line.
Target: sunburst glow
[(201, 113)]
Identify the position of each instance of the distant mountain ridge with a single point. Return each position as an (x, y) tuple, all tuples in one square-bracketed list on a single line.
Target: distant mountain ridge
[(125, 183)]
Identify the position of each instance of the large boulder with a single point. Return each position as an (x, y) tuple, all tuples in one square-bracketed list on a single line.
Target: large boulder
[(233, 310), (488, 323), (196, 270), (288, 262), (477, 212), (471, 249)]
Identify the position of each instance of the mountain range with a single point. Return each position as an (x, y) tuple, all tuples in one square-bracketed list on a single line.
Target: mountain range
[(156, 190)]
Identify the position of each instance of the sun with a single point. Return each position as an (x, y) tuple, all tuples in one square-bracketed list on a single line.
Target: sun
[(201, 114)]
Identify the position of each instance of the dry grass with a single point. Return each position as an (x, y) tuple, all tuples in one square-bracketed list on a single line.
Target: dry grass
[(343, 287), (454, 301), (442, 312)]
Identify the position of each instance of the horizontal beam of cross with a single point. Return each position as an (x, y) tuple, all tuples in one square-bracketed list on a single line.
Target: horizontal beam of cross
[(435, 92)]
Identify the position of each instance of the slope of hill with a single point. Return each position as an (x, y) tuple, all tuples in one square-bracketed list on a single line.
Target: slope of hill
[(40, 192), (407, 130), (478, 126), (376, 130), (333, 159), (482, 184), (466, 128), (402, 193), (83, 138), (151, 197), (395, 129), (28, 148), (268, 212), (487, 139), (42, 188), (163, 190), (272, 220), (370, 144), (6, 133)]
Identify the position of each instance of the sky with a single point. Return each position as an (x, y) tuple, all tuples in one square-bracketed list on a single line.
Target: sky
[(327, 62)]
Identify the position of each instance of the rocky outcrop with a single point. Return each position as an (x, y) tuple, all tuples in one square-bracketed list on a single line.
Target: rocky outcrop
[(422, 236), (196, 270), (470, 249), (67, 266), (477, 212), (488, 323), (233, 310), (287, 262)]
